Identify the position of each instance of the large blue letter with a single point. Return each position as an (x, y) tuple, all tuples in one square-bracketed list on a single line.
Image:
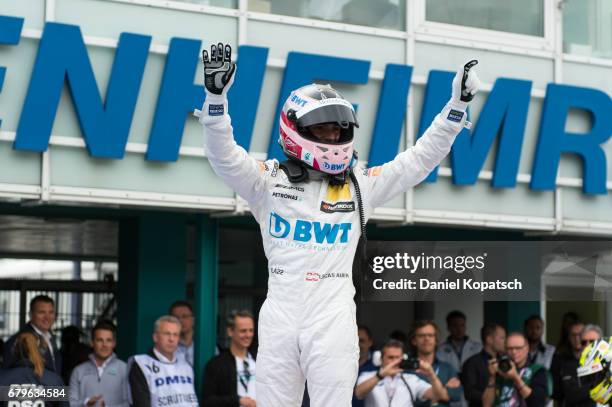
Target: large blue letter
[(179, 96), (437, 93), (506, 108), (10, 32), (62, 54), (390, 116), (554, 140), (244, 94), (303, 69)]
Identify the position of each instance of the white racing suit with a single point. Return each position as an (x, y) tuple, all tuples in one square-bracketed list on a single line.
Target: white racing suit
[(310, 230)]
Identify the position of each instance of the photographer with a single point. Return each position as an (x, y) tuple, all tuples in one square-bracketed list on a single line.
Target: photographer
[(424, 338), (513, 381), (391, 386)]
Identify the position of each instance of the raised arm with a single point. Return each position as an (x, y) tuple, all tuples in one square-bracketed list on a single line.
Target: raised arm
[(412, 166), (229, 161)]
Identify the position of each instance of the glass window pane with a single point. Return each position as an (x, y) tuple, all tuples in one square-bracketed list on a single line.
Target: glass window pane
[(587, 27), (389, 14), (516, 16), (216, 3)]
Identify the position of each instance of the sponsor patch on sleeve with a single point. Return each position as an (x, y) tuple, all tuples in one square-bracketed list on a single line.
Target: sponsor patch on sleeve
[(374, 171), (455, 115), (215, 110), (263, 167), (274, 170)]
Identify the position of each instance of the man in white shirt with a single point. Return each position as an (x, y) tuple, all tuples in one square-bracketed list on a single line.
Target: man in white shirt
[(241, 333), (390, 386), (229, 378)]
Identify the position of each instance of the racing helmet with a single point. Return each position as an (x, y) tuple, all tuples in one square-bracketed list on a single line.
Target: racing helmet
[(595, 370), (313, 105)]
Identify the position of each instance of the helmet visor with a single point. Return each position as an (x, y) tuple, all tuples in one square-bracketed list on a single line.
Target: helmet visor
[(329, 113)]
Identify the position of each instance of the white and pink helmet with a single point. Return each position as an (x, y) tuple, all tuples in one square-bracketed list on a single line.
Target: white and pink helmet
[(313, 105)]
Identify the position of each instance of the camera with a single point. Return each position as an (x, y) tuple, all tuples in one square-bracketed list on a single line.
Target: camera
[(503, 361), (409, 363)]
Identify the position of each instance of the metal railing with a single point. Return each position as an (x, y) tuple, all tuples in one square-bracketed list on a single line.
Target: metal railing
[(78, 303)]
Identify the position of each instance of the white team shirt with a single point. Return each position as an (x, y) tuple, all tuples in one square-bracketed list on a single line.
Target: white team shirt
[(392, 391), (246, 380)]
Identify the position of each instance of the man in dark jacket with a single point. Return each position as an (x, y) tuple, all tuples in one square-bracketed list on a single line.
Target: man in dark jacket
[(475, 373), (73, 351), (229, 378), (567, 389), (42, 317)]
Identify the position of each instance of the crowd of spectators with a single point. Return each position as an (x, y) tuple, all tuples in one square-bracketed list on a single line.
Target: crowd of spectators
[(501, 369)]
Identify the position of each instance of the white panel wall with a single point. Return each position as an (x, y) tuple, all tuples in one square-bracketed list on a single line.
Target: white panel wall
[(71, 175)]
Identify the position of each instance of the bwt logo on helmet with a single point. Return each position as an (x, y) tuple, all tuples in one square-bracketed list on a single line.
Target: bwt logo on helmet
[(306, 231), (333, 167), (298, 100)]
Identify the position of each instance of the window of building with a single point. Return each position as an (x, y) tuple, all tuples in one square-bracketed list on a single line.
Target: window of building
[(216, 3), (517, 16), (78, 302), (388, 14), (587, 28)]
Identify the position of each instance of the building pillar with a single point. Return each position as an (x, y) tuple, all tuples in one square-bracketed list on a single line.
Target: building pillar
[(152, 275), (510, 314), (205, 293)]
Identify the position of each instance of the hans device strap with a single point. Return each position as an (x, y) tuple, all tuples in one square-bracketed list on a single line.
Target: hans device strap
[(298, 172), (294, 170)]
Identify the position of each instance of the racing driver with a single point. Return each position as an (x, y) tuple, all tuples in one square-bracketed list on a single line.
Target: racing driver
[(311, 210)]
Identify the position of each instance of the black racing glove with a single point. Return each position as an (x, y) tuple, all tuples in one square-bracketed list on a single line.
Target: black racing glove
[(465, 85), (467, 94), (219, 69)]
